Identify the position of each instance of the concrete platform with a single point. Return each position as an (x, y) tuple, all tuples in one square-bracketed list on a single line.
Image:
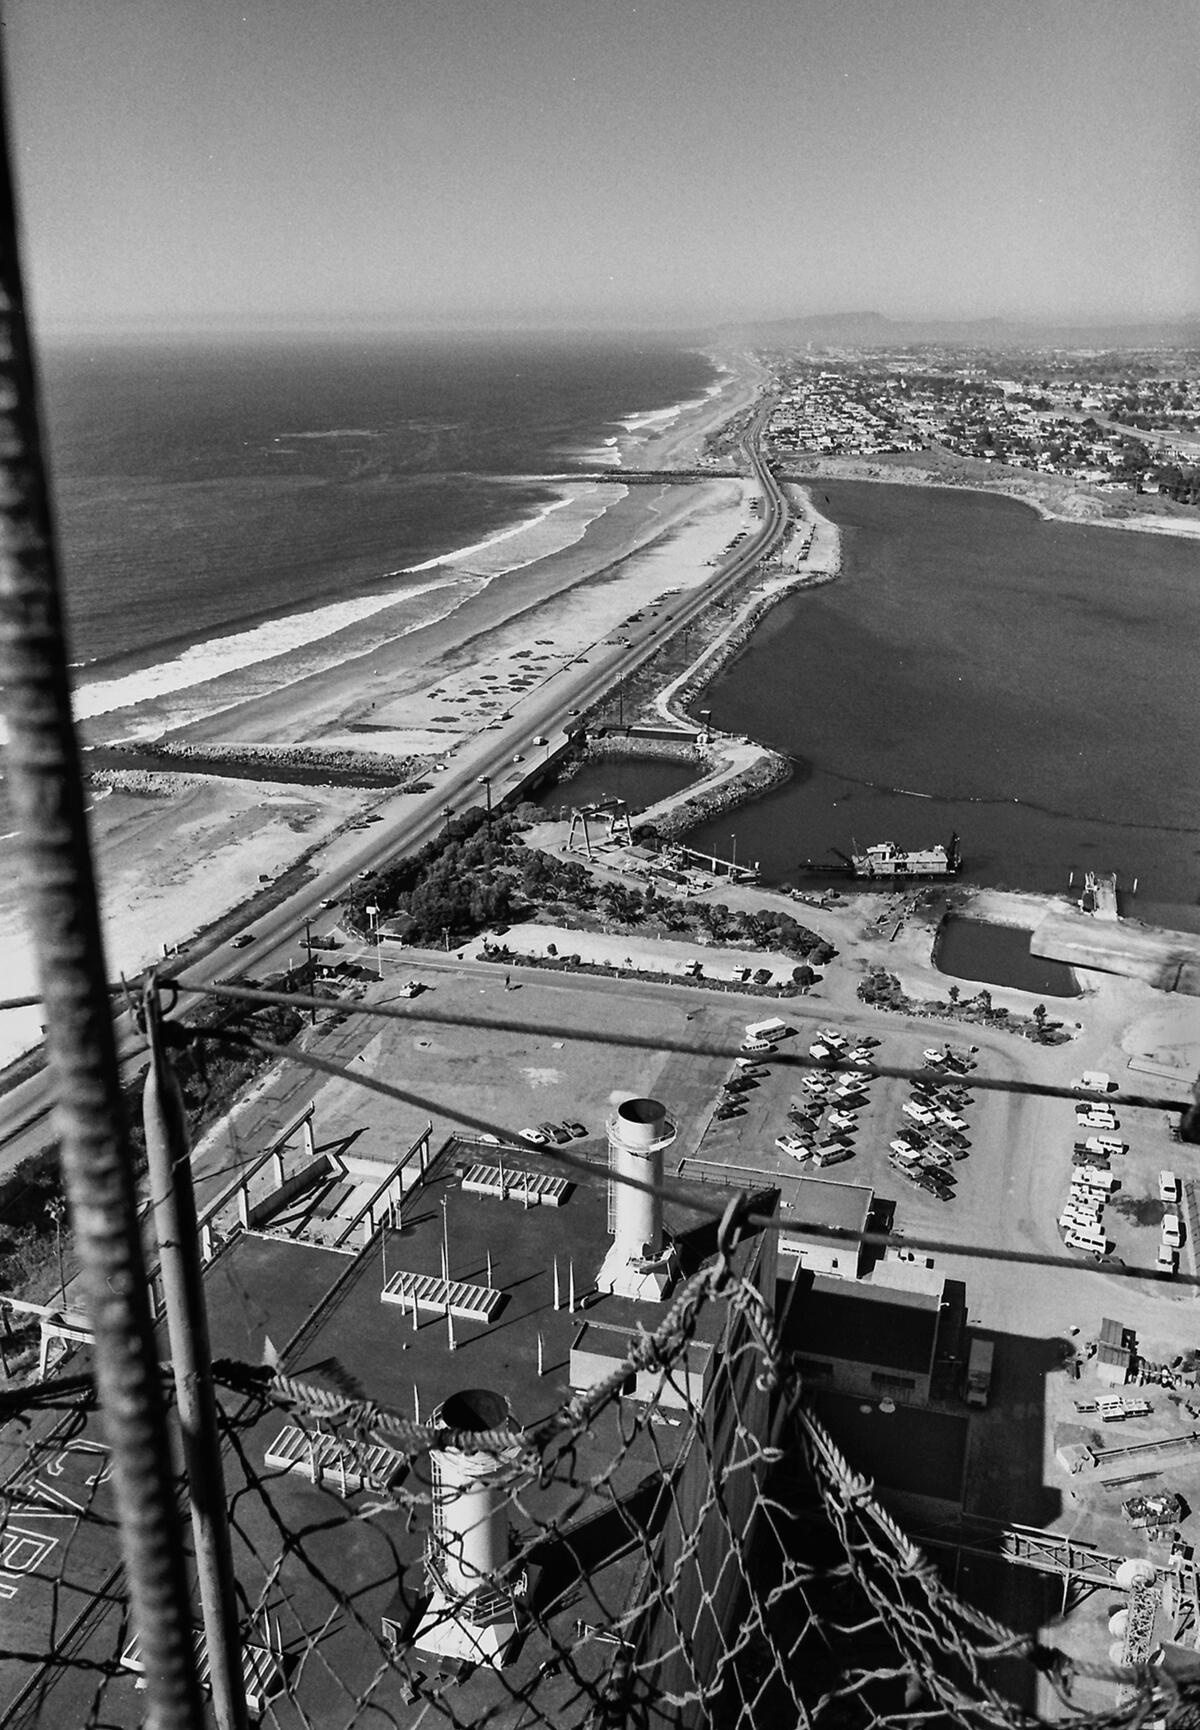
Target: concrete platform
[(1168, 960)]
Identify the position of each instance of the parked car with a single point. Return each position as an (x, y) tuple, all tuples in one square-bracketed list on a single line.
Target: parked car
[(792, 1144), (574, 1128), (1168, 1186), (956, 1149), (536, 1136), (918, 1112), (554, 1132), (950, 1119)]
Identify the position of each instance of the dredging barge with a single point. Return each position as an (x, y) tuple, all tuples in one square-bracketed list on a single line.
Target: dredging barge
[(886, 861)]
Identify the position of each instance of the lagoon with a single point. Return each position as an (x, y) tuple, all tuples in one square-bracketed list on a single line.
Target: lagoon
[(976, 668)]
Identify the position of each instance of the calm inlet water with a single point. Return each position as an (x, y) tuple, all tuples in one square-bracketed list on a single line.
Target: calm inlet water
[(976, 668), (639, 783)]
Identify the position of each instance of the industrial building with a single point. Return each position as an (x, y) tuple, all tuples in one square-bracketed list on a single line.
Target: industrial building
[(483, 1289)]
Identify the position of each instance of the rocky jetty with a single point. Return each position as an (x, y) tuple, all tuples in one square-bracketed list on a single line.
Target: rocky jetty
[(767, 771), (309, 764)]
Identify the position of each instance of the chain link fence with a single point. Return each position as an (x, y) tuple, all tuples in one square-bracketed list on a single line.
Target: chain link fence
[(668, 1547)]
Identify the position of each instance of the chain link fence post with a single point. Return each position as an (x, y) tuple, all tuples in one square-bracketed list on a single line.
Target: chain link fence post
[(82, 1069)]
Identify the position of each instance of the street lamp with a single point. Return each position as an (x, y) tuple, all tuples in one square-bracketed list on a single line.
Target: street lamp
[(485, 781), (447, 813), (56, 1207), (733, 859), (373, 916)]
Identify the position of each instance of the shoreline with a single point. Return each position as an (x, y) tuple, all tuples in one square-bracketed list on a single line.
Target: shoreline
[(168, 865)]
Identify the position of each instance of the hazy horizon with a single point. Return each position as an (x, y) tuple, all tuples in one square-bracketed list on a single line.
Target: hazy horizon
[(453, 166)]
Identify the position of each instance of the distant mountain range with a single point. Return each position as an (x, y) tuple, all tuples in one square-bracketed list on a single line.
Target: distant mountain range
[(873, 330)]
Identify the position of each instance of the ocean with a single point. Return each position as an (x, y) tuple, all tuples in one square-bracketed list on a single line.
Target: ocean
[(976, 668), (221, 505)]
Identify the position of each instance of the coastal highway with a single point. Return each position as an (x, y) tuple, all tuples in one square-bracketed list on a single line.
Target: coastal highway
[(277, 934)]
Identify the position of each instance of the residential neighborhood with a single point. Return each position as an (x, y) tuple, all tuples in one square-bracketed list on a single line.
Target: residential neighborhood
[(1129, 422)]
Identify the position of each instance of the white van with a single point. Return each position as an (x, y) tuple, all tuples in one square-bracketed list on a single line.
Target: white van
[(1104, 1144), (1089, 1177), (832, 1153), (1080, 1237), (1097, 1120)]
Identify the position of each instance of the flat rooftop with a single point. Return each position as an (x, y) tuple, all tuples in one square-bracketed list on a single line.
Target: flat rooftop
[(822, 1201), (328, 1560), (866, 1324)]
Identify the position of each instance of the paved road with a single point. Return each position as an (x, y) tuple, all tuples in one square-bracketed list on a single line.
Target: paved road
[(278, 934)]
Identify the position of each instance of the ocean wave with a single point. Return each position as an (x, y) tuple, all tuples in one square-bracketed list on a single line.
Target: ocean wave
[(552, 528), (337, 432), (606, 455), (305, 637), (220, 655)]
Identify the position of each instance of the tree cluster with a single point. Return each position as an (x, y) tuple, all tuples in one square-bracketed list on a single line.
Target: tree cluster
[(456, 884)]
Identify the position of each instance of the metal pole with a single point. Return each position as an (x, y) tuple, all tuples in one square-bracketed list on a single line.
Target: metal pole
[(84, 1079), (173, 1200)]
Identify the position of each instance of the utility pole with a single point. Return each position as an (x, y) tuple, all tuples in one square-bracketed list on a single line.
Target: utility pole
[(312, 1013), (173, 1202), (485, 782)]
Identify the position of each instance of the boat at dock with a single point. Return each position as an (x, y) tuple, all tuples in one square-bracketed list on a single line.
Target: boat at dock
[(885, 861)]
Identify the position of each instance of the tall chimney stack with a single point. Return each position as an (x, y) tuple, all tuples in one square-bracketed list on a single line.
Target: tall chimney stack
[(472, 1615), (637, 1266)]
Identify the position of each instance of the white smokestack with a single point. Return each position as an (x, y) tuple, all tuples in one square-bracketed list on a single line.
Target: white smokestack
[(470, 1615), (636, 1266)]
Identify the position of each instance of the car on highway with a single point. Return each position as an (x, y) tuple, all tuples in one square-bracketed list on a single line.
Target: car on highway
[(241, 940), (518, 758)]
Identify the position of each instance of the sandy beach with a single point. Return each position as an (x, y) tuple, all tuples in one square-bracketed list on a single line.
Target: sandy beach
[(172, 862)]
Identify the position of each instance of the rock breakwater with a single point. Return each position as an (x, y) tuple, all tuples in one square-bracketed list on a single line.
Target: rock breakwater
[(313, 765)]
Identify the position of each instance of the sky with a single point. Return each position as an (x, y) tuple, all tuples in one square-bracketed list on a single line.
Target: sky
[(201, 164)]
